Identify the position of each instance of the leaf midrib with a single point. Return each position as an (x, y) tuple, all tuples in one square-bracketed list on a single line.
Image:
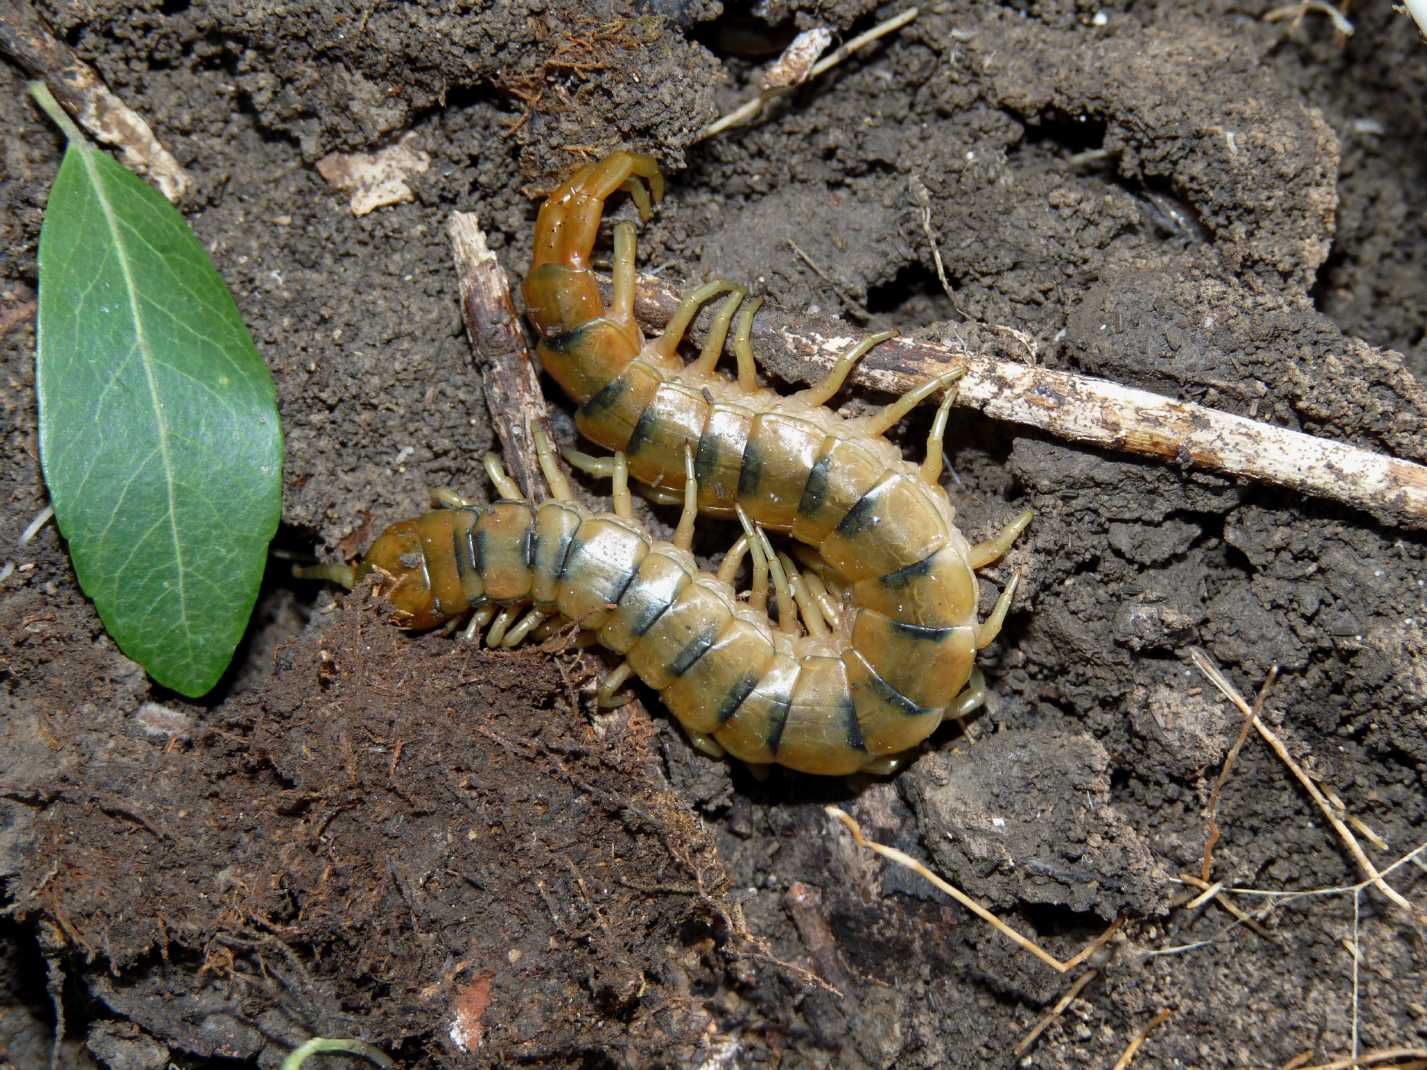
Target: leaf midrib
[(146, 361)]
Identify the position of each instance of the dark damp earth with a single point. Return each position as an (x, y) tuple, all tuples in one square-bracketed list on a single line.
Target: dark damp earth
[(453, 855)]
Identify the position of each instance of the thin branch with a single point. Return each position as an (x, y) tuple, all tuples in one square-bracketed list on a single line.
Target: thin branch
[(512, 385), (1079, 408)]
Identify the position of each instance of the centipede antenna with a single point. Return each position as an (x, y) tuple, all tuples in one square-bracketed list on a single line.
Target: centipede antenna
[(446, 498), (619, 490), (743, 347), (895, 412), (991, 626), (524, 627), (606, 697), (550, 467), (496, 635), (668, 342), (758, 587), (504, 485), (622, 302), (787, 607), (733, 560), (479, 619), (684, 533), (345, 575), (718, 334), (831, 612), (812, 616), (983, 553), (931, 467), (822, 393)]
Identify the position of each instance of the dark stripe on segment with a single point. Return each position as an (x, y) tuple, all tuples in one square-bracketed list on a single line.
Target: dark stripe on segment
[(458, 547), (562, 570), (741, 689), (529, 543), (608, 397), (905, 575), (482, 537), (624, 586), (470, 557), (567, 340), (815, 489), (919, 631), (643, 430), (706, 457), (780, 721), (751, 472), (854, 730), (697, 648), (861, 516), (893, 696)]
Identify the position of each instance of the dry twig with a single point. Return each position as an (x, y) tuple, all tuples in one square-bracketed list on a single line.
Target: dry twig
[(1055, 1012), (1079, 408), (77, 87), (908, 862), (512, 386), (1129, 1054)]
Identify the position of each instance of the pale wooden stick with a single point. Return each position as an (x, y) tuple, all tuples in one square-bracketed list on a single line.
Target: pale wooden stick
[(1095, 411), (94, 106), (512, 385)]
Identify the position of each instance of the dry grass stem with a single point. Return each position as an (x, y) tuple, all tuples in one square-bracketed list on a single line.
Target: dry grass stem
[(1211, 811), (1079, 408), (1219, 680), (908, 862), (1055, 1012), (1129, 1053), (1215, 892), (1417, 1057), (749, 111)]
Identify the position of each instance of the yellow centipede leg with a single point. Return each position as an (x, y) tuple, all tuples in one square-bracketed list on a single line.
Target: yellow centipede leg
[(503, 620), (983, 553), (931, 467), (758, 590), (619, 489), (668, 342), (718, 334), (743, 347), (504, 485), (822, 393), (826, 603), (893, 413), (684, 533), (972, 697), (787, 607), (479, 619), (550, 467), (733, 560), (524, 627), (991, 626), (807, 606), (606, 697), (446, 498)]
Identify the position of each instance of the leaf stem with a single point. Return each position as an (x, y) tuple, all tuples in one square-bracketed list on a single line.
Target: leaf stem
[(50, 107)]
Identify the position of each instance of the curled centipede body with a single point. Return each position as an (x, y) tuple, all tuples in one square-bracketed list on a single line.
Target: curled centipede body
[(901, 655)]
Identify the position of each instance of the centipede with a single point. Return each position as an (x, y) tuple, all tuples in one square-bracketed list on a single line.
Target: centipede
[(876, 636)]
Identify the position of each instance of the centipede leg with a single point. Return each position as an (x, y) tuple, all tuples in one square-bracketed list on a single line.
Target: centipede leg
[(782, 590), (743, 347), (504, 485), (885, 765), (668, 342), (446, 498), (931, 467), (983, 553), (621, 306), (827, 605), (606, 696), (704, 743), (821, 393), (503, 620), (758, 588), (550, 467), (684, 533), (895, 412), (971, 699), (479, 619), (718, 334), (524, 627), (807, 606), (991, 627)]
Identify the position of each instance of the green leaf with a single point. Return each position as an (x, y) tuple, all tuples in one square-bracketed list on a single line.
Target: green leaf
[(159, 431)]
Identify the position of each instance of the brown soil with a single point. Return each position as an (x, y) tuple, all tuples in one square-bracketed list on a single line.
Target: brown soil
[(363, 833)]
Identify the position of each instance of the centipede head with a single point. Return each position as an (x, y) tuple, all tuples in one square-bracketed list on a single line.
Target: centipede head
[(398, 559)]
